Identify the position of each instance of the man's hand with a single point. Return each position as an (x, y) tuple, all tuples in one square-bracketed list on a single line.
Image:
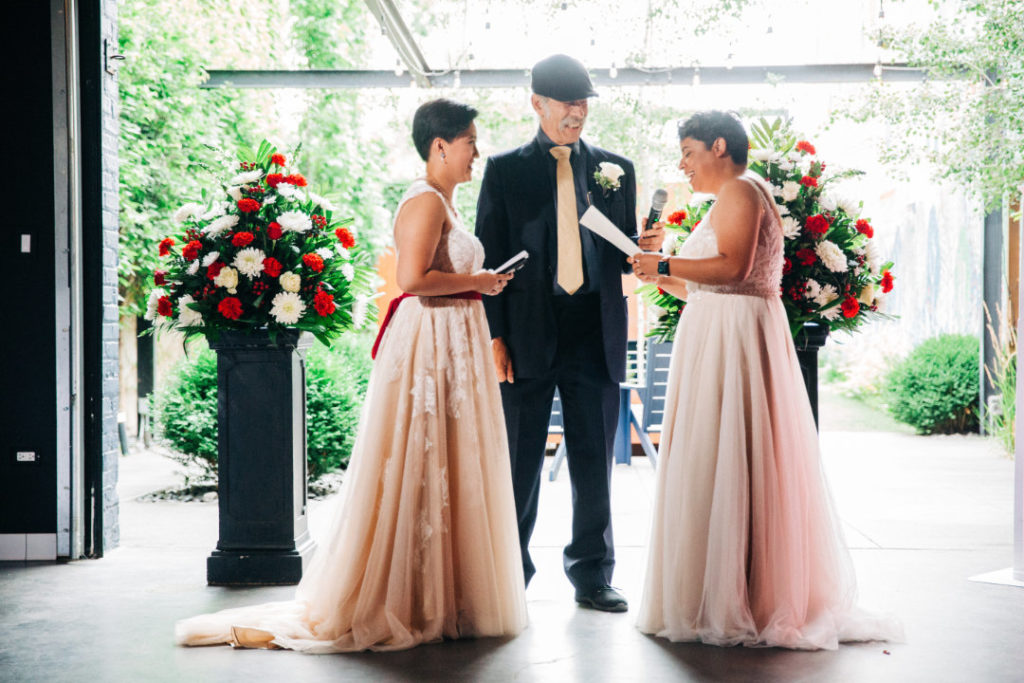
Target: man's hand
[(502, 360), (652, 238)]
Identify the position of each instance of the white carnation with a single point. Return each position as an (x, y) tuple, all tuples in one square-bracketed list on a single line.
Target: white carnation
[(235, 192), (805, 164), (790, 190), (294, 221), (287, 308), (249, 262), (247, 178), (227, 278), (186, 316), (151, 303), (325, 253), (210, 258), (762, 154), (269, 199), (831, 255), (290, 282), (193, 267), (323, 202), (610, 171), (348, 271), (849, 205), (790, 228), (827, 201), (286, 189), (221, 225), (786, 165), (187, 212)]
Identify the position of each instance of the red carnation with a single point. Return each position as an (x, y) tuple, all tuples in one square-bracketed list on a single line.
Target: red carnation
[(808, 181), (164, 306), (296, 179), (242, 239), (190, 252), (248, 205), (230, 307), (886, 282), (272, 267), (313, 262), (274, 231), (160, 277), (277, 159), (805, 146), (274, 179), (787, 266), (324, 303), (165, 245), (864, 228), (817, 224), (345, 237), (214, 270), (807, 257), (676, 218), (850, 307)]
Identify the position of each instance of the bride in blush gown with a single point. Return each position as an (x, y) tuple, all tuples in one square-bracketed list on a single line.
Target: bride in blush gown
[(424, 544), (745, 546)]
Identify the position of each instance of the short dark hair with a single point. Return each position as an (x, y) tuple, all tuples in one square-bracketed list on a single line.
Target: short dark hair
[(708, 126), (440, 118)]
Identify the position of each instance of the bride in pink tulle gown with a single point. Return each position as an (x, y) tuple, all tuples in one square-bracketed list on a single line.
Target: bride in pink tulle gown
[(424, 544), (745, 546)]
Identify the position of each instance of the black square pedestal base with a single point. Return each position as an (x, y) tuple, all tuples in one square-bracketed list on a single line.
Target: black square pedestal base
[(258, 567)]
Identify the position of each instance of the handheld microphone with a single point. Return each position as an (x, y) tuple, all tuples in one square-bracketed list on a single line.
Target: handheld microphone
[(657, 204)]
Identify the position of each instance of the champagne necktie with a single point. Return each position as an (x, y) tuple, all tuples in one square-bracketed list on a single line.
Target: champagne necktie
[(570, 253)]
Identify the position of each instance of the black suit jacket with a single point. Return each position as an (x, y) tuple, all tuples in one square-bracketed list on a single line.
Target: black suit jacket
[(516, 211)]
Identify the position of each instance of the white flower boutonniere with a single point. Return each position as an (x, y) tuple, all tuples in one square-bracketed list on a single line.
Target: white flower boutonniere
[(609, 175)]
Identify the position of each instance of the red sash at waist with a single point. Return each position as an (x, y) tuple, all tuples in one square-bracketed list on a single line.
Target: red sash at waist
[(393, 306)]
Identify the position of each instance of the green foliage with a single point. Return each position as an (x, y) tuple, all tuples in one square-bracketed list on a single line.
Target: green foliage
[(1003, 377), (967, 117), (336, 381), (935, 389)]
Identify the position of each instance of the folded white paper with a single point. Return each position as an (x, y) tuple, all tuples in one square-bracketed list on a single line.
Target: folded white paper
[(598, 223)]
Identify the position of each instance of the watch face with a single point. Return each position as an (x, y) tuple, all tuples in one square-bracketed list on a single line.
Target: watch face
[(663, 267)]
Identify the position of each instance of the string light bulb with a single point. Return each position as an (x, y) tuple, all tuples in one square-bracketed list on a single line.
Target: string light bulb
[(613, 72), (696, 77), (877, 71), (399, 69)]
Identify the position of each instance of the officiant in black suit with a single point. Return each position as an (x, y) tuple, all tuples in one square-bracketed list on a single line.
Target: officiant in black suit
[(562, 321)]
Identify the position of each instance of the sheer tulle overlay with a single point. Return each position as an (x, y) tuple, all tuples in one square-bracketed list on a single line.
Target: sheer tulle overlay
[(424, 544), (745, 546)]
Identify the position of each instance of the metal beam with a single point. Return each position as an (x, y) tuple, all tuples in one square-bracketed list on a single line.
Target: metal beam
[(520, 78), (398, 33)]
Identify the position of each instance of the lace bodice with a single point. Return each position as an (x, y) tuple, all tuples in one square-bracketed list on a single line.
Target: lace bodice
[(765, 276), (457, 251)]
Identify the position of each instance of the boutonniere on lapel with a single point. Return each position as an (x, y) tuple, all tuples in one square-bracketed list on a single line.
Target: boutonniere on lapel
[(608, 176)]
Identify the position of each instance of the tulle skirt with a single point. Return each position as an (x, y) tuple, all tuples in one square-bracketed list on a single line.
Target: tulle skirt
[(745, 546), (424, 544)]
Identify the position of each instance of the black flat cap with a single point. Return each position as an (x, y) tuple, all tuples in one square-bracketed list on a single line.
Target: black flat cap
[(562, 78)]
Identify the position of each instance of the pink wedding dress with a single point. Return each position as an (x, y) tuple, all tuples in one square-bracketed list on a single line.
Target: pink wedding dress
[(424, 544), (745, 546)]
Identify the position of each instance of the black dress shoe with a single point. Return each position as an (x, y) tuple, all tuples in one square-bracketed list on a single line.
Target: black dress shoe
[(604, 598)]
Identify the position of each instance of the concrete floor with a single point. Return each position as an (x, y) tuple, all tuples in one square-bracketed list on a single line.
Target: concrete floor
[(922, 516)]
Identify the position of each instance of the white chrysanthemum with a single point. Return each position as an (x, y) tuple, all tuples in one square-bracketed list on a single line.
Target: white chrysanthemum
[(287, 308), (210, 258), (790, 190), (193, 267), (849, 205), (227, 278), (342, 251), (325, 253), (294, 221), (776, 190), (218, 209), (348, 271), (269, 199), (235, 192), (151, 303), (247, 178), (831, 255), (874, 259), (187, 212), (812, 289), (831, 313), (826, 294), (249, 262), (783, 210), (762, 154), (827, 201), (286, 189), (290, 282), (323, 202), (359, 311), (790, 228), (221, 225), (786, 165), (186, 316)]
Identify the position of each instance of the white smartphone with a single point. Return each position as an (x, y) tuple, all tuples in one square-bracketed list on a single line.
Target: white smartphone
[(514, 263)]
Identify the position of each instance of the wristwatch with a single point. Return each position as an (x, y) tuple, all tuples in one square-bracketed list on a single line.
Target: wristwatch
[(663, 267)]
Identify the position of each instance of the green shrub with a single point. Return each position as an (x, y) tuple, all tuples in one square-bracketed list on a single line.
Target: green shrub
[(336, 379), (935, 388)]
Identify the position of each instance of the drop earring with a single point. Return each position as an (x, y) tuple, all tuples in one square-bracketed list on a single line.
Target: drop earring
[(443, 157)]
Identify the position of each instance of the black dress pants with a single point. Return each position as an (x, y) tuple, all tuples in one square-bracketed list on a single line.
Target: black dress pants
[(590, 404)]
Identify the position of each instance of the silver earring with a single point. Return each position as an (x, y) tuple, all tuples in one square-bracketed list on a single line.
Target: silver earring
[(443, 157)]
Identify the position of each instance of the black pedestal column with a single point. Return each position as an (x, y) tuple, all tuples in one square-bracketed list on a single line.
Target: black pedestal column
[(261, 408), (807, 341)]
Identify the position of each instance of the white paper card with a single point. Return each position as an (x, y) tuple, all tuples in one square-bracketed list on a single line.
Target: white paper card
[(597, 222)]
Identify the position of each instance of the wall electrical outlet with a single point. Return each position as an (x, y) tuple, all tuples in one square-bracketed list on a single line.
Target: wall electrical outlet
[(27, 456)]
